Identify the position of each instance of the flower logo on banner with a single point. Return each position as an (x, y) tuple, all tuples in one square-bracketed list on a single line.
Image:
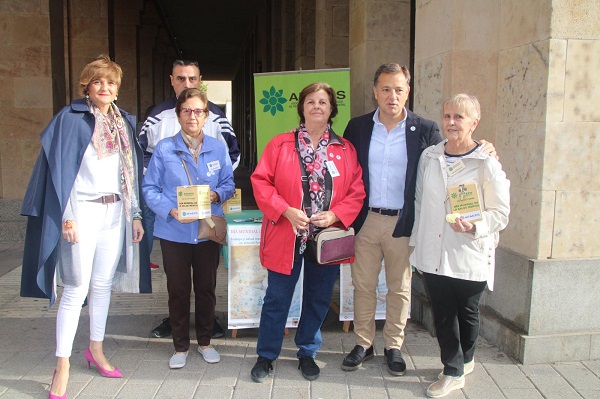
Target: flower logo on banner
[(273, 100)]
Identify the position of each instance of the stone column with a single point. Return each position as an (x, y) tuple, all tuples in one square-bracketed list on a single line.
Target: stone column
[(288, 38), (88, 28), (305, 34), (146, 34), (379, 33), (533, 66), (127, 18), (276, 35), (332, 34), (25, 94)]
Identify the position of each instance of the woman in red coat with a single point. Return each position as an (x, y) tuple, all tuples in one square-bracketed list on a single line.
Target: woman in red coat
[(336, 193)]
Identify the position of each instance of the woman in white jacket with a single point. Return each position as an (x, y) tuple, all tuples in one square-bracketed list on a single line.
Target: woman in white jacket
[(456, 253)]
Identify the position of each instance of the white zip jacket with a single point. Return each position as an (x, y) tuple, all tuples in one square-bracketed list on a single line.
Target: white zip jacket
[(438, 248)]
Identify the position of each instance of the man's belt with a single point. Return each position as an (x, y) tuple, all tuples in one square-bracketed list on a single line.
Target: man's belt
[(385, 212)]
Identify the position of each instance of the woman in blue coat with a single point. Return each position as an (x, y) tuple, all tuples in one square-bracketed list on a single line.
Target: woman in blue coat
[(84, 225)]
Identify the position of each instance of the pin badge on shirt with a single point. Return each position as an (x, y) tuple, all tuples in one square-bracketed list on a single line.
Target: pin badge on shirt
[(412, 128), (213, 166), (455, 167)]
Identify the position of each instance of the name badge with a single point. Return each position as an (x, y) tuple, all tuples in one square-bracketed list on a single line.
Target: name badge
[(332, 169), (213, 166), (455, 168)]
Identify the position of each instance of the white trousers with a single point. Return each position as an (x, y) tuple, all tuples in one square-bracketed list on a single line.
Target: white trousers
[(101, 233)]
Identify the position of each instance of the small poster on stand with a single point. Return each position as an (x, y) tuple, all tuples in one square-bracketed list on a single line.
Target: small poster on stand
[(248, 279), (347, 294)]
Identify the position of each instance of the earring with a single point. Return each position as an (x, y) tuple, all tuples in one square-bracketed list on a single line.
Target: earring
[(87, 96), (116, 97)]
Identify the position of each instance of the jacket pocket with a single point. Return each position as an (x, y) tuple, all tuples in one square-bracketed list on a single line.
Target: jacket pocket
[(470, 244)]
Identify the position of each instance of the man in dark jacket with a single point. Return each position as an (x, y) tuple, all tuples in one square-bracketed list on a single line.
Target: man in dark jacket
[(389, 142)]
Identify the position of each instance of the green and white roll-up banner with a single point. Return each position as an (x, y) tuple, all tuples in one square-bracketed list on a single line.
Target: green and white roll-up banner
[(276, 95)]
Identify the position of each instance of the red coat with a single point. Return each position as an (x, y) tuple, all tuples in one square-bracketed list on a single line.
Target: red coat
[(277, 186)]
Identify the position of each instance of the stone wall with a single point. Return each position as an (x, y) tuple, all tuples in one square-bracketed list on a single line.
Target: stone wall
[(379, 33), (532, 65), (26, 94), (30, 37), (332, 30)]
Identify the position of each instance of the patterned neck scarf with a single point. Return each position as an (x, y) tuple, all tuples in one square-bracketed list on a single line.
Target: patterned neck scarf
[(194, 144), (109, 138), (316, 168)]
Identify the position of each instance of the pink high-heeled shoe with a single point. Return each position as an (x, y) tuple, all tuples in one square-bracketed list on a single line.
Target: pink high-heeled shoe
[(50, 395), (116, 373)]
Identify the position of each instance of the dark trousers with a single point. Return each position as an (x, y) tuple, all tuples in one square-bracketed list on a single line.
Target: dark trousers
[(203, 260), (455, 305)]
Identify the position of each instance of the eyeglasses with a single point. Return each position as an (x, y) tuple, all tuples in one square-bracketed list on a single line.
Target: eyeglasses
[(199, 112)]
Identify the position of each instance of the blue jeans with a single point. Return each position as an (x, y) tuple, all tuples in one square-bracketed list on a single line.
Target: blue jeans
[(148, 217), (317, 289)]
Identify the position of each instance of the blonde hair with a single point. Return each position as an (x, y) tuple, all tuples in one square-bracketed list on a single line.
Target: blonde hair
[(465, 104), (101, 67)]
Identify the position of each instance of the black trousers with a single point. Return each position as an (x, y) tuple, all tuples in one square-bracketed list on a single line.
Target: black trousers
[(455, 305), (186, 264)]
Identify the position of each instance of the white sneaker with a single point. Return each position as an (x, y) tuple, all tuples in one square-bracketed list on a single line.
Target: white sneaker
[(178, 360), (468, 369), (209, 354), (445, 385)]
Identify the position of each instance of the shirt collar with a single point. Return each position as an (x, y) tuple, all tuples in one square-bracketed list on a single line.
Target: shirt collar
[(377, 121)]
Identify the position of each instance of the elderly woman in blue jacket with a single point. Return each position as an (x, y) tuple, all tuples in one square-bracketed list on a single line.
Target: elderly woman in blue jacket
[(83, 211), (187, 158)]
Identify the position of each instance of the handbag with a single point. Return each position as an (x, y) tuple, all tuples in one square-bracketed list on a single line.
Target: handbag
[(331, 245), (214, 227)]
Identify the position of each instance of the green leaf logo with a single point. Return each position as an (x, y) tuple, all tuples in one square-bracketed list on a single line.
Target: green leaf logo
[(180, 193), (273, 100), (454, 195)]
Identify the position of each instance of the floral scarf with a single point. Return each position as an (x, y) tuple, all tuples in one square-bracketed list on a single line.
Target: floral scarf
[(110, 137), (314, 162)]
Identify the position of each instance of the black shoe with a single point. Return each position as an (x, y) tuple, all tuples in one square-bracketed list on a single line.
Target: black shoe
[(355, 358), (217, 330), (260, 371), (395, 363), (164, 330), (309, 368)]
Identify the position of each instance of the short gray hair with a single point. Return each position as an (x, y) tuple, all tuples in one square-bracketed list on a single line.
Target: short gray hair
[(465, 103)]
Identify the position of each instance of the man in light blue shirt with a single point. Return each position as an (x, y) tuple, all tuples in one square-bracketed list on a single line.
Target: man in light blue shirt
[(389, 142), (387, 164)]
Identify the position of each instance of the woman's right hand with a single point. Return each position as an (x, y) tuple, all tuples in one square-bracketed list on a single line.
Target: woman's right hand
[(297, 218), (70, 234), (175, 214)]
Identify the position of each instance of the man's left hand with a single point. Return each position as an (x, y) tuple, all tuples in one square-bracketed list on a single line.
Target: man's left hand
[(488, 148)]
